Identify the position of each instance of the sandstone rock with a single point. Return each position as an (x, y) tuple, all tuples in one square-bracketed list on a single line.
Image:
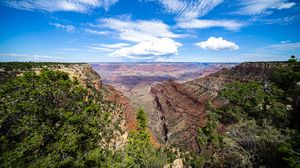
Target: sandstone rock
[(181, 107), (92, 81), (178, 163)]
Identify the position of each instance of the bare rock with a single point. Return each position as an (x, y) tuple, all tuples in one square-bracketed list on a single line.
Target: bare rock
[(178, 163), (180, 108)]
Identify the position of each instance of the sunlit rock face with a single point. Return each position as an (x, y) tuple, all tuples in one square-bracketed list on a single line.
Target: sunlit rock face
[(180, 107), (174, 95), (92, 81)]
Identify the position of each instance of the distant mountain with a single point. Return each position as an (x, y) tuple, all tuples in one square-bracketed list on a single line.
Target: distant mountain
[(128, 75)]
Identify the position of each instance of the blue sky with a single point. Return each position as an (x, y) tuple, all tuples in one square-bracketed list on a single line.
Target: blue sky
[(149, 30)]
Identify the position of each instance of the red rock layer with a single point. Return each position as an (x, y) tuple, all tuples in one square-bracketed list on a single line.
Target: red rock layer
[(181, 107)]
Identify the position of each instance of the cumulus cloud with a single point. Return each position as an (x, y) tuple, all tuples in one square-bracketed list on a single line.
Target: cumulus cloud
[(140, 30), (217, 44), (201, 24), (187, 10), (67, 28), (82, 6), (149, 49), (255, 7), (151, 39)]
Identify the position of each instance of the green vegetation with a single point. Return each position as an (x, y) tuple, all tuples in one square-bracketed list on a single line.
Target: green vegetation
[(10, 70), (16, 66), (47, 120), (288, 79), (261, 124), (139, 152)]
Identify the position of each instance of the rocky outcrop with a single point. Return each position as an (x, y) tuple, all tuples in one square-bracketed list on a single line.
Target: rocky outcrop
[(180, 108), (91, 80), (178, 163), (181, 112), (119, 98)]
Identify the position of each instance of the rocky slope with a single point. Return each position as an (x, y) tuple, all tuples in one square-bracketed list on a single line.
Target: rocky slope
[(126, 76), (125, 117), (134, 80), (180, 108), (81, 72)]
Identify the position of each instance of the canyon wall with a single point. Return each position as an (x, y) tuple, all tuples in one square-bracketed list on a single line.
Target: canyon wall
[(85, 74), (180, 108)]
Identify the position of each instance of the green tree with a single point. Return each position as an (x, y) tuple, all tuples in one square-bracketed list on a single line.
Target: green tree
[(47, 120), (139, 152), (293, 59), (287, 78), (256, 100)]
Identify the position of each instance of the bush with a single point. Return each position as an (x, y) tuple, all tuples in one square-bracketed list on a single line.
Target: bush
[(260, 142), (46, 120), (257, 101)]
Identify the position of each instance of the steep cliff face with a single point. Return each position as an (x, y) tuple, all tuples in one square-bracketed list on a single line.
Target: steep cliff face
[(180, 112), (92, 80), (180, 108), (124, 117)]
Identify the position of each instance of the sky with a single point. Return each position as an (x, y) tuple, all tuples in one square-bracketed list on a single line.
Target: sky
[(149, 30)]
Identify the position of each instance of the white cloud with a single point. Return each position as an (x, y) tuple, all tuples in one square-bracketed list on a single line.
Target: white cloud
[(95, 48), (262, 7), (285, 41), (107, 47), (200, 24), (285, 46), (153, 39), (217, 44), (90, 31), (114, 46), (68, 28), (283, 49), (149, 49), (82, 6), (149, 39), (106, 4), (138, 31), (281, 20), (187, 10), (281, 6)]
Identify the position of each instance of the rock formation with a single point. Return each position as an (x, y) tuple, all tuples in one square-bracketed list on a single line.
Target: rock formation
[(180, 108)]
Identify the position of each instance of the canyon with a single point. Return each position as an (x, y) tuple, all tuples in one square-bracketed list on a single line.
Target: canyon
[(175, 95), (165, 106)]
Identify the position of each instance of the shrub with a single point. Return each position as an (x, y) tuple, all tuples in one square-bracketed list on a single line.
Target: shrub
[(46, 121)]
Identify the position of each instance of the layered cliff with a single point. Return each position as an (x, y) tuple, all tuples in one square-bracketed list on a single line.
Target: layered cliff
[(124, 116), (180, 108)]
